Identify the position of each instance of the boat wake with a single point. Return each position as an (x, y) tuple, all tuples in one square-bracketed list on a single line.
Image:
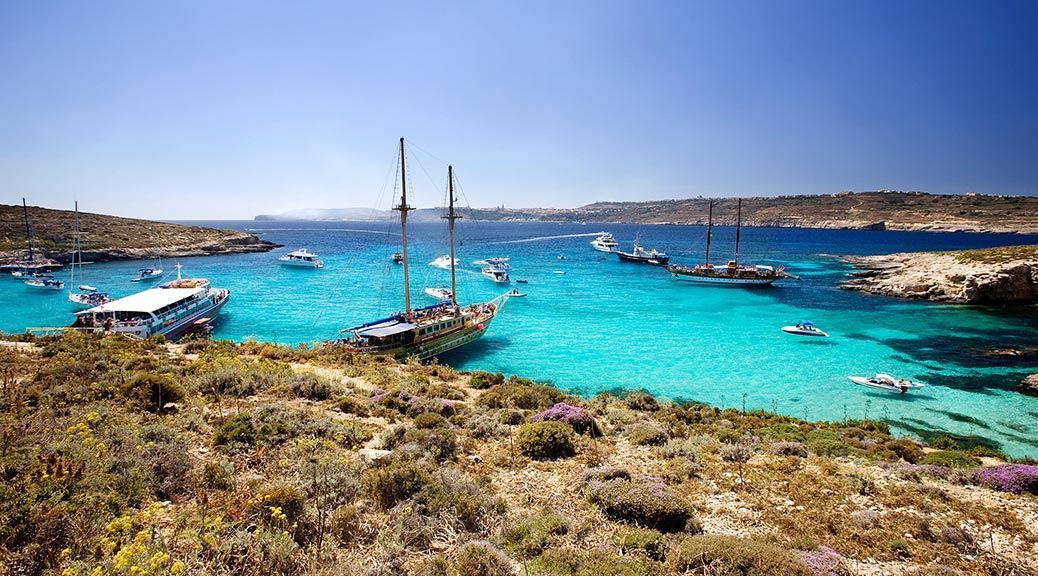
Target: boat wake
[(539, 238)]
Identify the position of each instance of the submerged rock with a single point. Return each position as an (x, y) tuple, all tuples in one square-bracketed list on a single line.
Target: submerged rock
[(1029, 385)]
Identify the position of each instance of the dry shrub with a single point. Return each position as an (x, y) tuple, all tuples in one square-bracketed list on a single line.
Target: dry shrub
[(481, 558), (733, 556), (547, 440)]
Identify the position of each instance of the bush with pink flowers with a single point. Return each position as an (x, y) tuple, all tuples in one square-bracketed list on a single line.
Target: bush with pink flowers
[(579, 419), (1016, 478)]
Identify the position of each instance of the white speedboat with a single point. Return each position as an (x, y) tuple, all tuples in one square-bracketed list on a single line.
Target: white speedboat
[(559, 272), (145, 274), (301, 258), (886, 382), (88, 299), (804, 329), (45, 282), (516, 294), (605, 243), (499, 275), (443, 262), (498, 261), (397, 258), (442, 293)]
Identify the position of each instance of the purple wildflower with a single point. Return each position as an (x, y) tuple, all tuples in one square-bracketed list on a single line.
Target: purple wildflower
[(579, 419), (824, 561), (1016, 478)]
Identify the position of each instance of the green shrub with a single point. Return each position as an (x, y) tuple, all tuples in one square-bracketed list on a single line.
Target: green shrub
[(522, 394), (828, 443), (646, 502), (944, 443), (646, 434), (237, 431), (481, 558), (395, 482), (430, 420), (633, 539), (547, 440), (528, 536), (573, 562), (906, 449), (152, 391), (733, 556), (641, 400), (313, 387), (468, 505), (440, 443), (950, 458), (483, 380), (782, 432), (728, 435), (218, 475), (351, 405)]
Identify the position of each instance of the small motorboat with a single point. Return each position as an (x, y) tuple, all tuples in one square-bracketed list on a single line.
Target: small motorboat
[(145, 274), (46, 282), (87, 288), (515, 293), (522, 281), (641, 255), (605, 243), (804, 328), (561, 257), (499, 275), (443, 262), (886, 382), (302, 258), (558, 272), (398, 258), (24, 274), (442, 293)]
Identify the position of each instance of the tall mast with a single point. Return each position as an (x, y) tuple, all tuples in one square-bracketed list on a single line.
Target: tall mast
[(76, 247), (451, 217), (403, 208), (738, 230), (28, 230), (709, 230)]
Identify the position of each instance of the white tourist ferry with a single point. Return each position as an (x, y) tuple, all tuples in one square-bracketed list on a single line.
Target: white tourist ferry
[(302, 258), (171, 310)]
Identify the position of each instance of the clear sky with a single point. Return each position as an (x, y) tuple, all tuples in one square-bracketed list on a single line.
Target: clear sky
[(227, 109)]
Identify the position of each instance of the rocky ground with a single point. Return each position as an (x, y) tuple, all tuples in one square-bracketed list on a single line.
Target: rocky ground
[(212, 458), (990, 276)]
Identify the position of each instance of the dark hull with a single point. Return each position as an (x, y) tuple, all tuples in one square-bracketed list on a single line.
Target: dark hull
[(626, 257)]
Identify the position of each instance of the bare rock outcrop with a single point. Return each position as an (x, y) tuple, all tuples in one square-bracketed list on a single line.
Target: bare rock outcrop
[(995, 276)]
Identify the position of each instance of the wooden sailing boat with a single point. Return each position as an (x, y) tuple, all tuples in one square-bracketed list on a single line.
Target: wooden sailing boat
[(429, 331), (30, 265), (733, 274)]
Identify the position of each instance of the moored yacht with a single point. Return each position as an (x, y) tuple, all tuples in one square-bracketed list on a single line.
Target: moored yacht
[(31, 265), (301, 258), (605, 243), (423, 332), (644, 256), (733, 274), (147, 274), (446, 262), (171, 310), (496, 273), (45, 282), (88, 296)]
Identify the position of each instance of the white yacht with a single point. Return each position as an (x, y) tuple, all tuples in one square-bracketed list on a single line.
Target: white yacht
[(171, 310), (45, 282), (146, 274), (88, 296), (499, 275), (886, 382), (444, 262), (302, 258), (496, 261), (605, 243), (442, 294)]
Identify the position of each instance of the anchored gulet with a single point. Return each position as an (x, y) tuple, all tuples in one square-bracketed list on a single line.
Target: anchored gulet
[(423, 332)]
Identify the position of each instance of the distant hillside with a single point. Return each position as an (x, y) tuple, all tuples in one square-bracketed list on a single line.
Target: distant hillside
[(882, 210), (115, 238)]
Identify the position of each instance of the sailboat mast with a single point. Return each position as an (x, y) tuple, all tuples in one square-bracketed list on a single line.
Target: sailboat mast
[(450, 226), (76, 252), (28, 230), (709, 230), (738, 230), (403, 208)]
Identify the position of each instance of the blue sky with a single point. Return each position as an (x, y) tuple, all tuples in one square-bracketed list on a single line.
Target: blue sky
[(226, 109)]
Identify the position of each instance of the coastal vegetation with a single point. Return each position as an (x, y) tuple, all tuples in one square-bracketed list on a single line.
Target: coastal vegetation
[(880, 210), (124, 457), (116, 238)]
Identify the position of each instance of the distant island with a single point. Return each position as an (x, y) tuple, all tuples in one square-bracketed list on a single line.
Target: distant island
[(879, 210), (114, 238)]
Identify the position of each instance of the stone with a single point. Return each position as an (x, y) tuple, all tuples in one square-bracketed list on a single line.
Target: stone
[(1029, 385)]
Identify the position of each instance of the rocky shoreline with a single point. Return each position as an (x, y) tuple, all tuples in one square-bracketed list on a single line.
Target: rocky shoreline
[(992, 276), (230, 243)]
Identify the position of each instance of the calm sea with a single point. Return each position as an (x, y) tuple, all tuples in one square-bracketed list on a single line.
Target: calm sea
[(606, 325)]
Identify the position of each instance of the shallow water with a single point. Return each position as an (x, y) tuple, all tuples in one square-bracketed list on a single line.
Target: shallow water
[(607, 325)]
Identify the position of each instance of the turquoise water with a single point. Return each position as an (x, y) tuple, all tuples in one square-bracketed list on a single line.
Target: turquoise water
[(606, 325)]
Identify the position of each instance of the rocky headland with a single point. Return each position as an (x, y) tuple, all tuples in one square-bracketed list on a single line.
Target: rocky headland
[(1006, 275), (114, 238)]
